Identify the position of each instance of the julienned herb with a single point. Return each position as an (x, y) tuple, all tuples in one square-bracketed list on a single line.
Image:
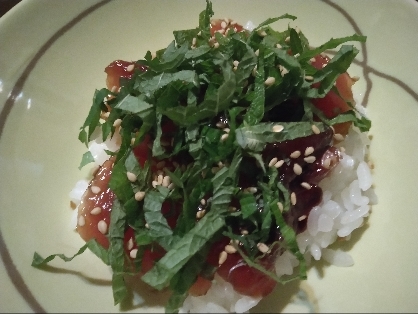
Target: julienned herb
[(192, 82)]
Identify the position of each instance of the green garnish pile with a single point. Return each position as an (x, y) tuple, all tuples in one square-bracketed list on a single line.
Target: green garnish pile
[(192, 85)]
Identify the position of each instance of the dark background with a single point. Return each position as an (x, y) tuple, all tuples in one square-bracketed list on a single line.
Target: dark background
[(6, 5)]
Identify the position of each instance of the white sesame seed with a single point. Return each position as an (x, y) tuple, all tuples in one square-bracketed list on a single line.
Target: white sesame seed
[(309, 150), (160, 179), (312, 60), (139, 196), (293, 198), (277, 128), (220, 125), (147, 225), (297, 169), (283, 70), (252, 189), (309, 159), (170, 186), (96, 211), (303, 217), (295, 154), (130, 67), (338, 137), (95, 189), (269, 81), (224, 137), (306, 185), (235, 63), (254, 71), (273, 161), (278, 46), (222, 257), (232, 208), (131, 176), (287, 39), (279, 164), (130, 244), (227, 130), (200, 214), (309, 78), (230, 249), (117, 123), (355, 78), (244, 231), (216, 45), (194, 41), (326, 163), (262, 33), (166, 181), (203, 201), (114, 89), (102, 226), (154, 183), (296, 55), (280, 205), (263, 248), (257, 52), (315, 129), (223, 24), (133, 253), (81, 220), (199, 34)]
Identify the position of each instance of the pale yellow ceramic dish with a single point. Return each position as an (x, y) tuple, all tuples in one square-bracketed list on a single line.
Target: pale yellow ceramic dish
[(52, 57)]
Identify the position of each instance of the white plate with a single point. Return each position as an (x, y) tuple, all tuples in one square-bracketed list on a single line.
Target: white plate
[(53, 54)]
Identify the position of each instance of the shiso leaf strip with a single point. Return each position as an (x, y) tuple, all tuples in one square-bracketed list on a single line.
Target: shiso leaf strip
[(191, 85), (116, 251), (92, 245), (86, 159)]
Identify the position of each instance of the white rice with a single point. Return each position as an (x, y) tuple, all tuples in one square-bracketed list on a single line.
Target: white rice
[(98, 148), (220, 298), (347, 198)]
